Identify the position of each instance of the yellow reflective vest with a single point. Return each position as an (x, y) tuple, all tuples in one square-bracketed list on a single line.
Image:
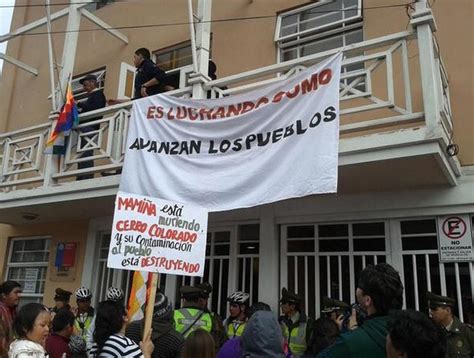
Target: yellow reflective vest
[(235, 328), (296, 338), (187, 320), (82, 323)]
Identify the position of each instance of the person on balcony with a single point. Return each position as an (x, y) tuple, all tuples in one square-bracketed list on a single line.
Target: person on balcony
[(95, 100), (149, 78)]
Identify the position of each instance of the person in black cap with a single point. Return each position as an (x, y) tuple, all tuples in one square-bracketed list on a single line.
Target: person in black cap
[(206, 290), (460, 336), (95, 100), (296, 326), (333, 309), (192, 315), (218, 325), (61, 300), (168, 342)]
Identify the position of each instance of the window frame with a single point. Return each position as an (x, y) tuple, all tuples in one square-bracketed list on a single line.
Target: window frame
[(333, 29), (34, 264), (183, 71)]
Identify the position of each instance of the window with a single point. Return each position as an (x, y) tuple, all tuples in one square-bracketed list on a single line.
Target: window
[(98, 4), (216, 271), (326, 259), (318, 27), (176, 61), (248, 260), (77, 90), (28, 264)]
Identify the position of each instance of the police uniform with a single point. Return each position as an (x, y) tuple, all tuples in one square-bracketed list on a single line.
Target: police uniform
[(296, 333), (460, 336), (63, 296), (191, 317), (330, 305)]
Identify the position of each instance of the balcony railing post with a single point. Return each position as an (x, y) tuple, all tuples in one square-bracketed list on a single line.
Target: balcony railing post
[(424, 23)]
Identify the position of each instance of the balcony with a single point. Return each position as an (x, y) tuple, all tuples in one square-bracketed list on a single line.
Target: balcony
[(395, 118)]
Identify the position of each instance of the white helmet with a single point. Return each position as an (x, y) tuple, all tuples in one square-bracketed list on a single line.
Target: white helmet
[(114, 294), (83, 293), (239, 297)]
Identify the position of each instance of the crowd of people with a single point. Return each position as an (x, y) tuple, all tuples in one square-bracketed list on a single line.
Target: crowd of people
[(375, 326)]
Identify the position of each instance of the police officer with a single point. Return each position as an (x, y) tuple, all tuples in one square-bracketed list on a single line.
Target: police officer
[(194, 315), (460, 336), (237, 320), (85, 312), (296, 326), (218, 333), (61, 300), (332, 308)]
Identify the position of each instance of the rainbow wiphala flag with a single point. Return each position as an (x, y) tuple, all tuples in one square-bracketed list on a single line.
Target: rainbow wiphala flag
[(138, 295), (68, 118)]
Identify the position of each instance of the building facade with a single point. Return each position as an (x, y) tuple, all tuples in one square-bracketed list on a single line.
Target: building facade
[(406, 99)]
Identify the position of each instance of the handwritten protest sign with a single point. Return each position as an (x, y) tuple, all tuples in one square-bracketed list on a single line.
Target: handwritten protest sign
[(156, 235)]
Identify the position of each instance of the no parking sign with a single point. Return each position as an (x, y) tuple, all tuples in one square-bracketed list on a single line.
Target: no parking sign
[(455, 241)]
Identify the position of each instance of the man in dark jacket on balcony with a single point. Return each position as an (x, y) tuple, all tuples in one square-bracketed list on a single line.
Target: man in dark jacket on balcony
[(149, 78), (95, 100)]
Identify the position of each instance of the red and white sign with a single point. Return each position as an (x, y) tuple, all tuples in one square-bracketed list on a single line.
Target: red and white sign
[(455, 241), (155, 235)]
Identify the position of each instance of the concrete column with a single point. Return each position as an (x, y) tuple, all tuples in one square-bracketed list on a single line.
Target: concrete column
[(424, 23), (269, 263)]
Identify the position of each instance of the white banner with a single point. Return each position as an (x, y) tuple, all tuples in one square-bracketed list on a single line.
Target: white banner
[(150, 234), (270, 144), (455, 239)]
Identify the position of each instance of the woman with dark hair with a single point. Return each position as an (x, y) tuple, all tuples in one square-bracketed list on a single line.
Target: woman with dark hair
[(109, 334), (199, 344), (325, 333), (31, 325)]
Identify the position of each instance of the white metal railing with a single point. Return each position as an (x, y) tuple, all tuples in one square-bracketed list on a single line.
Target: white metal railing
[(337, 270), (216, 272), (376, 94)]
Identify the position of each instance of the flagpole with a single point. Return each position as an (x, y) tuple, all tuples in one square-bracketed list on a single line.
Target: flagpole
[(51, 59), (150, 303)]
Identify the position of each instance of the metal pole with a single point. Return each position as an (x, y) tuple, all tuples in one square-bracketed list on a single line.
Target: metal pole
[(203, 39), (70, 46), (193, 35), (51, 59)]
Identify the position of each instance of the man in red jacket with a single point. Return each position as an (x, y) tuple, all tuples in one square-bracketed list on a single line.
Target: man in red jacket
[(58, 342), (10, 294)]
